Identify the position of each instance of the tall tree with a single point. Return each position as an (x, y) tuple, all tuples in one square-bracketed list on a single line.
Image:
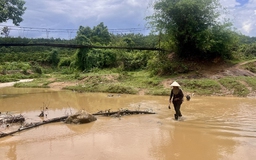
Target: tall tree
[(99, 33), (12, 9), (193, 27)]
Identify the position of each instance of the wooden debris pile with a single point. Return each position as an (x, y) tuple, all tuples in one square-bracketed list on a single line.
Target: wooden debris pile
[(9, 118)]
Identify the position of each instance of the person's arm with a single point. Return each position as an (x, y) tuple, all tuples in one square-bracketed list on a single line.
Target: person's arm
[(171, 95), (182, 95)]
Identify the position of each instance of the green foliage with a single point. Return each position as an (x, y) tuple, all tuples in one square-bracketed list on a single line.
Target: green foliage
[(40, 54), (251, 81), (54, 58), (65, 62), (160, 64), (81, 58), (243, 39), (14, 67), (14, 71), (12, 9), (251, 67), (38, 83), (192, 26), (134, 40), (99, 34), (133, 60), (83, 40), (16, 77), (158, 92), (87, 59), (249, 50), (37, 68), (164, 63)]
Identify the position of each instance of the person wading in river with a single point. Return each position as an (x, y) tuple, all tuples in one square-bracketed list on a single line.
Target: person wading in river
[(176, 97)]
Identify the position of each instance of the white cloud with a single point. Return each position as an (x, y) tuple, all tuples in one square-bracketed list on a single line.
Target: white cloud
[(70, 14), (229, 3), (247, 26), (242, 16), (73, 13)]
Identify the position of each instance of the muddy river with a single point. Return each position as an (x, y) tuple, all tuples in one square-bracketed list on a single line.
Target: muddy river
[(212, 128)]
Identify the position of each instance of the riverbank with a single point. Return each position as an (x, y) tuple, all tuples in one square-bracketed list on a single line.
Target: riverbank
[(218, 79)]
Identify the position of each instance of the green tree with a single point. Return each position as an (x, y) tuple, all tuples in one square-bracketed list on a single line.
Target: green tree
[(81, 55), (193, 28), (12, 9), (84, 32), (99, 34)]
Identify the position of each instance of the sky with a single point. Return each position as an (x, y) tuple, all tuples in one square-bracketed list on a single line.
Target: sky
[(62, 18)]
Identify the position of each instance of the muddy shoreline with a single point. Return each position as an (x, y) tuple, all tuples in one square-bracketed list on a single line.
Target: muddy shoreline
[(58, 86)]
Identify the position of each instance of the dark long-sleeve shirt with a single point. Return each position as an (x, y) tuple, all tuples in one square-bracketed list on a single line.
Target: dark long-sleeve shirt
[(173, 96)]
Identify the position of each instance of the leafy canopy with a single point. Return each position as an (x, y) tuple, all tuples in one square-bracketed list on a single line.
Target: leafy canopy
[(99, 34), (12, 9), (193, 27)]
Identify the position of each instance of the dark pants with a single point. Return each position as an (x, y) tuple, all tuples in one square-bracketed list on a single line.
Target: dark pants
[(177, 108)]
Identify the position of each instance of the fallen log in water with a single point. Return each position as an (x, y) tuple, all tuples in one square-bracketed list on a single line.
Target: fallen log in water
[(32, 125), (76, 118), (121, 113)]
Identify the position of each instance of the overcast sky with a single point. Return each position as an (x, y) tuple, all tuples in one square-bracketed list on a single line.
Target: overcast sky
[(116, 14)]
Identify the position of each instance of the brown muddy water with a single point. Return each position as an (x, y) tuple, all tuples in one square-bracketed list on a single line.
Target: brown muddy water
[(212, 128)]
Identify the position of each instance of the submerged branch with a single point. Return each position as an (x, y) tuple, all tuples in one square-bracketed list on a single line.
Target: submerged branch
[(32, 125), (121, 113)]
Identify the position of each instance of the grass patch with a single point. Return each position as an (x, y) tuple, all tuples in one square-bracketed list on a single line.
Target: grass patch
[(121, 82), (115, 81), (235, 86), (37, 83), (160, 91), (17, 77), (107, 88), (141, 79), (250, 66), (251, 81), (200, 86)]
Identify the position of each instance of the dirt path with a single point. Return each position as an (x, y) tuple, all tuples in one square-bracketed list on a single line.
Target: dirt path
[(10, 84), (218, 70)]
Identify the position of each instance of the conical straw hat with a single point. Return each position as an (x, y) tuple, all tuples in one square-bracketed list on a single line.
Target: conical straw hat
[(175, 84)]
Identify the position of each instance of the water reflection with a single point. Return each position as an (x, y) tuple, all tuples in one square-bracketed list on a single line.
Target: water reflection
[(213, 128)]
